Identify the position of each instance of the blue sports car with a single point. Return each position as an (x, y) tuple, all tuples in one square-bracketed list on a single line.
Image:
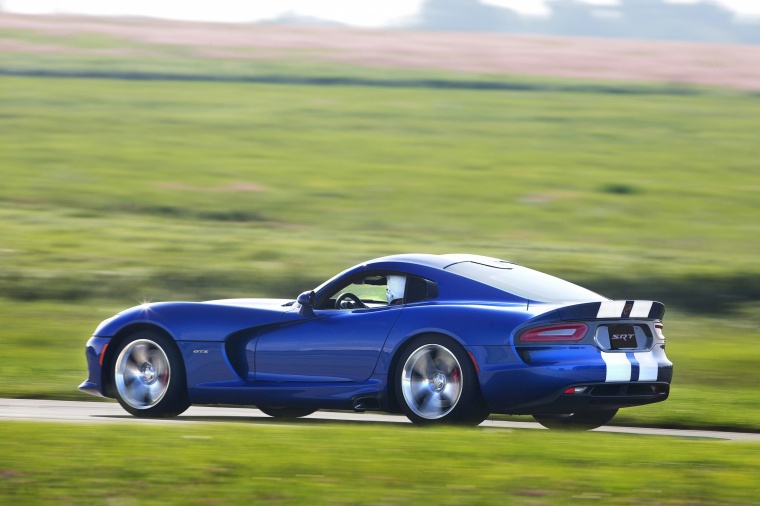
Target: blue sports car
[(440, 338)]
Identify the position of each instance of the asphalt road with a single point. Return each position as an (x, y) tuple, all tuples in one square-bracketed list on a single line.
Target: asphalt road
[(111, 412)]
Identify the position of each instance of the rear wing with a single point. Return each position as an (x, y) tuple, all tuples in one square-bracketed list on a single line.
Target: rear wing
[(611, 309)]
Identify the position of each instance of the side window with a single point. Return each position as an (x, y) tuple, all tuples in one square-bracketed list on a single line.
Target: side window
[(419, 289), (370, 290), (380, 289)]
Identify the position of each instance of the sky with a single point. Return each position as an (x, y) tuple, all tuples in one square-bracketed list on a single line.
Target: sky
[(365, 13)]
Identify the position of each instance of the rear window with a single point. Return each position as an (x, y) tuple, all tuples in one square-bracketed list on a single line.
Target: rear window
[(524, 282)]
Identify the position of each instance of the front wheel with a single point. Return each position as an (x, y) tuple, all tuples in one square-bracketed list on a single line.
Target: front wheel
[(436, 382), (149, 376), (577, 421)]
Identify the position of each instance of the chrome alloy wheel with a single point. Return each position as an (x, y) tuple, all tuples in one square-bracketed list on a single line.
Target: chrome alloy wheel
[(142, 374), (431, 381)]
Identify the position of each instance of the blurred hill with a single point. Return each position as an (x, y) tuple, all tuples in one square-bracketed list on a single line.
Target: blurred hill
[(104, 44)]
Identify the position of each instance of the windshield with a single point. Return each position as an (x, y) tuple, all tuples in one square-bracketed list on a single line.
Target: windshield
[(524, 282)]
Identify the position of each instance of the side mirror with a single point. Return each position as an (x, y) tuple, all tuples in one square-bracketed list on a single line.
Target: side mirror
[(307, 300)]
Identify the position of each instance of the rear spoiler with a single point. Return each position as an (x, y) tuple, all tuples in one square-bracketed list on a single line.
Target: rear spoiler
[(611, 309)]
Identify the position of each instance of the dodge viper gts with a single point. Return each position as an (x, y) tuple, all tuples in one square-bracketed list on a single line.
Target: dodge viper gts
[(439, 338)]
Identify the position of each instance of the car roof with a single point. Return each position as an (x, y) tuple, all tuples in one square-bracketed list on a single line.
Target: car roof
[(434, 261)]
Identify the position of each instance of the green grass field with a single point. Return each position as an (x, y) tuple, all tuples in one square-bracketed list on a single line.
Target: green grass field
[(121, 179), (334, 463)]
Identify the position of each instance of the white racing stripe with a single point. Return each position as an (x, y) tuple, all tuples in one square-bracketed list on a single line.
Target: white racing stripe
[(641, 308), (615, 308), (647, 366), (611, 309), (618, 367)]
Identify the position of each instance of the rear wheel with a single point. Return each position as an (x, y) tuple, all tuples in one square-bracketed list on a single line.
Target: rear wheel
[(577, 421), (149, 376), (281, 412), (436, 382)]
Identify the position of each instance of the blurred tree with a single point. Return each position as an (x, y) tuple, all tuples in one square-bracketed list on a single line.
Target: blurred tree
[(467, 16), (656, 19), (293, 18), (748, 33), (641, 19), (573, 17)]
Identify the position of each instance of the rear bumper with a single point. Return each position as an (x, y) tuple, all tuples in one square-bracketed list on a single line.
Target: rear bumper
[(533, 380), (597, 396)]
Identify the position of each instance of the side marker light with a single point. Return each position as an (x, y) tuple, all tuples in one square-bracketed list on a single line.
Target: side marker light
[(103, 354), (475, 362)]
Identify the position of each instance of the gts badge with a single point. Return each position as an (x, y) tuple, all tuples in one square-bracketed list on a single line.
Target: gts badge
[(203, 352)]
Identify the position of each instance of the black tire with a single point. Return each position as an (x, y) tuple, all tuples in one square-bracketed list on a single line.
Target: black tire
[(577, 421), (149, 376), (286, 413), (436, 383)]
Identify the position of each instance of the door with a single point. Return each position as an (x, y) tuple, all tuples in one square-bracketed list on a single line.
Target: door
[(335, 345)]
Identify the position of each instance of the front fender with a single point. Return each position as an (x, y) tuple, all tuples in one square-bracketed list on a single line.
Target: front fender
[(191, 321), (138, 314)]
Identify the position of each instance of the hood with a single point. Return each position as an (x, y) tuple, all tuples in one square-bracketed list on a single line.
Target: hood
[(252, 303)]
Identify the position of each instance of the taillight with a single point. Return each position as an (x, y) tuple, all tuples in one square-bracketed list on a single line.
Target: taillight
[(658, 331), (555, 333)]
